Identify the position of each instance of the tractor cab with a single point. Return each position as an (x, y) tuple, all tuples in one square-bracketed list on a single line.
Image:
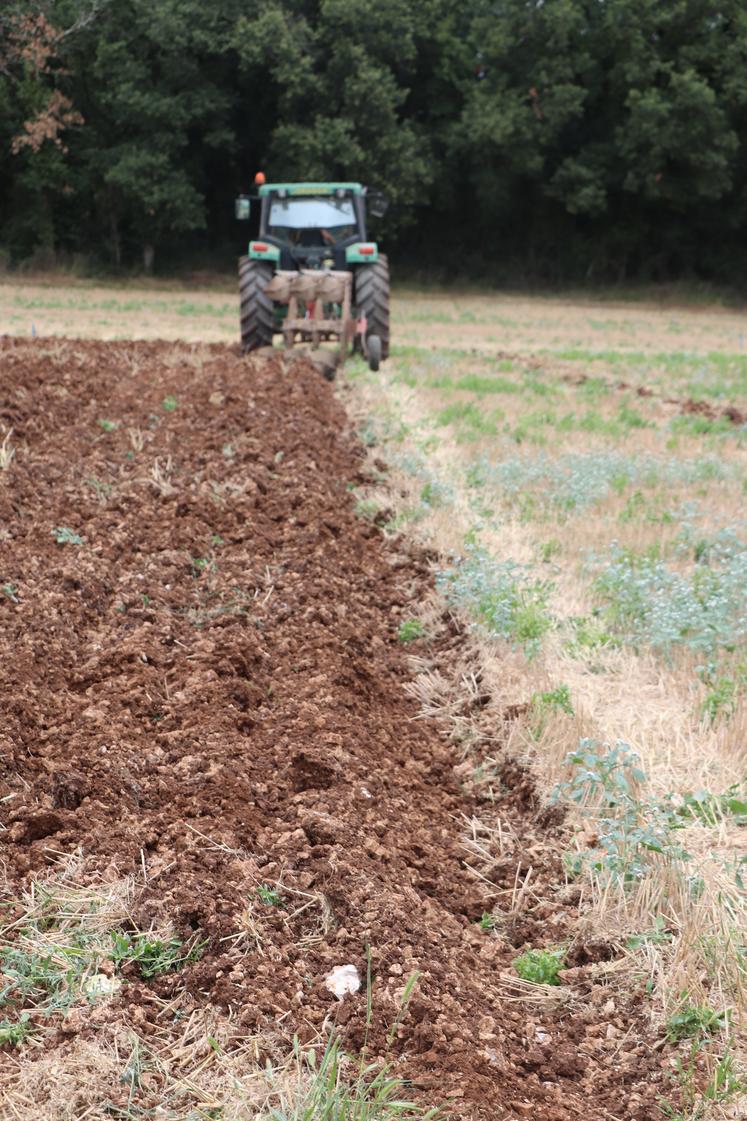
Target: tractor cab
[(313, 225)]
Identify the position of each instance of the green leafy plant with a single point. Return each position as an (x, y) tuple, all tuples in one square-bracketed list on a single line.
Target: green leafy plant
[(10, 591), (63, 535), (695, 1021), (108, 425), (540, 967), (606, 782), (558, 698), (487, 921), (169, 404), (14, 1032), (658, 935), (271, 897), (410, 630), (152, 955)]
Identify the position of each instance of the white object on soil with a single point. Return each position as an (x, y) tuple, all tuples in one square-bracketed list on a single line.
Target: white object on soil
[(99, 985), (342, 980)]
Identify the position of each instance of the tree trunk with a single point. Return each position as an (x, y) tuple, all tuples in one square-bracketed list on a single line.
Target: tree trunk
[(149, 256)]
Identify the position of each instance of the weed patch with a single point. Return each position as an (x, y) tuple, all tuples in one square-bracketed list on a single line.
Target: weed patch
[(499, 598)]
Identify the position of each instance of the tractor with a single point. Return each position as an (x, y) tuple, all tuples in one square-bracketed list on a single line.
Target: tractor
[(312, 275)]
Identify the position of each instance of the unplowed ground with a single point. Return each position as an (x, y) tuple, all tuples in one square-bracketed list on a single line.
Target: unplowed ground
[(208, 692)]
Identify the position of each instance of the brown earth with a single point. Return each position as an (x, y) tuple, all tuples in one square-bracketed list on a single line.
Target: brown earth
[(210, 688)]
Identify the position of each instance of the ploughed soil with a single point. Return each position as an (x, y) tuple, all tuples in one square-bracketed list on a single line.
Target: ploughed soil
[(204, 688)]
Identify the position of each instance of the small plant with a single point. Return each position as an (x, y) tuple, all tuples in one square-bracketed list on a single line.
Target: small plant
[(540, 967), (63, 535), (695, 1021), (200, 565), (549, 550), (367, 508), (169, 404), (13, 1033), (657, 936), (410, 630), (710, 809), (499, 599), (10, 591), (606, 782), (108, 425), (152, 955), (558, 698), (269, 896), (487, 922)]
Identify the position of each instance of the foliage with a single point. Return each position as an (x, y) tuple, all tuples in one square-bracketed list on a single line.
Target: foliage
[(540, 967), (409, 630), (558, 698), (271, 897), (152, 955), (604, 140), (606, 782), (333, 1088), (694, 1021), (14, 1032), (649, 601), (63, 535), (499, 599)]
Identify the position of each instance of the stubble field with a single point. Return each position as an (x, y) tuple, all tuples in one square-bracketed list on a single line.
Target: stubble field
[(457, 700)]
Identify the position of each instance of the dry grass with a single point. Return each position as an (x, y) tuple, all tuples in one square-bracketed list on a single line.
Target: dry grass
[(433, 433)]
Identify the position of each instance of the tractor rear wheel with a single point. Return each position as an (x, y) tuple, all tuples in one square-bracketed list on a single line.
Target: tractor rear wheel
[(257, 318), (372, 299)]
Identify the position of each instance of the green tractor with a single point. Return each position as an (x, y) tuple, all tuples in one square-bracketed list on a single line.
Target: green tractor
[(312, 275)]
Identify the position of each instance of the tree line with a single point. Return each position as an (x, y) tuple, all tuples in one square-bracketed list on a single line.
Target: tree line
[(525, 140)]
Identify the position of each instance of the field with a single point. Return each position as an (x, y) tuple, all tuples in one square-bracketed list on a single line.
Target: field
[(438, 673)]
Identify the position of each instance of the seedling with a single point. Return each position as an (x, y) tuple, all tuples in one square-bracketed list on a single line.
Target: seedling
[(410, 630), (657, 936), (269, 896), (487, 922), (540, 967), (152, 955), (63, 535), (13, 1033), (695, 1021), (10, 591), (108, 425), (169, 404), (558, 698)]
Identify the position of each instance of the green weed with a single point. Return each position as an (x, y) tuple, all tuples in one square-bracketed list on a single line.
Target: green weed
[(269, 896), (540, 967), (169, 404), (10, 591), (14, 1032), (658, 935), (334, 1088), (108, 425), (606, 783), (409, 630), (153, 956), (694, 1021), (558, 699), (63, 535)]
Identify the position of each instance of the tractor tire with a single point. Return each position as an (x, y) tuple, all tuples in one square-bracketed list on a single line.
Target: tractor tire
[(257, 317), (372, 299)]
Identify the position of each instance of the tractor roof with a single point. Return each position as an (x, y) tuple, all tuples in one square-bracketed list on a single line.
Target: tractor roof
[(309, 188)]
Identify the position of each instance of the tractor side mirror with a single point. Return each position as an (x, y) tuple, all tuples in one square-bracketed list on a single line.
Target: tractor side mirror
[(243, 207), (377, 202)]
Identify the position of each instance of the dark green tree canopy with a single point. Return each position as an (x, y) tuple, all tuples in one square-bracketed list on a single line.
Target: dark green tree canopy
[(537, 139)]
